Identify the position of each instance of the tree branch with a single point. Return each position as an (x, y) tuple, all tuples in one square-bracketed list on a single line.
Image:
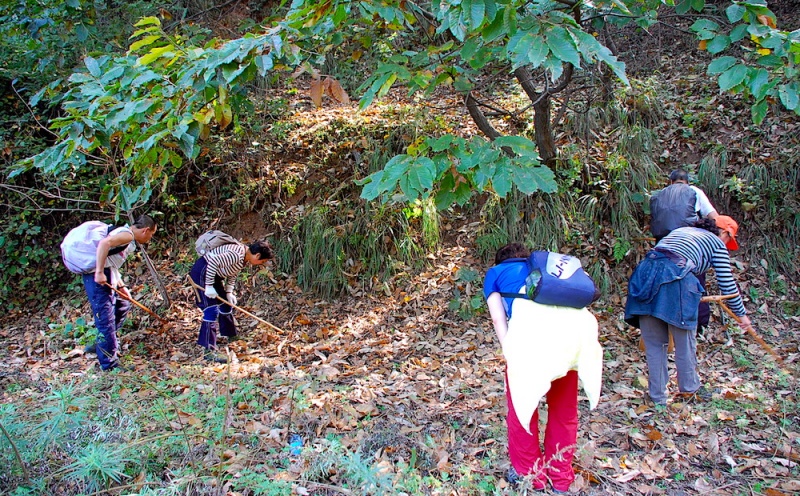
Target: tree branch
[(31, 110)]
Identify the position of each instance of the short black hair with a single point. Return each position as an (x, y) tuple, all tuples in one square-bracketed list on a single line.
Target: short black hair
[(709, 225), (145, 222), (678, 175), (262, 249), (511, 250)]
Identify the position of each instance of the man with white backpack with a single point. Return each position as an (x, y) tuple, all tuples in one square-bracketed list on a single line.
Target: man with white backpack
[(97, 251)]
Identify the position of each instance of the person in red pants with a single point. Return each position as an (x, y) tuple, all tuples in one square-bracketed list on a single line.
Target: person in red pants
[(547, 349)]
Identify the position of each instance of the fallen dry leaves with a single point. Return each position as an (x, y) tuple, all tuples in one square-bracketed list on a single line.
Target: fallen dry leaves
[(387, 371)]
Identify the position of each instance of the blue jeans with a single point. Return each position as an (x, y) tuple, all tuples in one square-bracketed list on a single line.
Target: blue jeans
[(216, 316), (109, 313)]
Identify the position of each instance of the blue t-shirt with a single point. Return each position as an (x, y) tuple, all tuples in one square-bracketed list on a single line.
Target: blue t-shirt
[(506, 277)]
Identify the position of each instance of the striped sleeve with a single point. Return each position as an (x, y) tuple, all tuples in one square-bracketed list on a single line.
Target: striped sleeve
[(226, 262), (721, 262)]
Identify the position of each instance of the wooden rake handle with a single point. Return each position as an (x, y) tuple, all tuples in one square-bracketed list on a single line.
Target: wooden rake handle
[(223, 300), (749, 329), (126, 297)]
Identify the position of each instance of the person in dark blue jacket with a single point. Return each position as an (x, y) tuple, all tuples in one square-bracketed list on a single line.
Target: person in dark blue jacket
[(664, 293)]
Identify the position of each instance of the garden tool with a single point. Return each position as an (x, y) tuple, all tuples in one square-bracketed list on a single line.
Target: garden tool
[(126, 297), (749, 329), (223, 300)]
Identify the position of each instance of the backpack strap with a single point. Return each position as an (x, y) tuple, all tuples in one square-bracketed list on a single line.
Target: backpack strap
[(117, 249), (515, 295)]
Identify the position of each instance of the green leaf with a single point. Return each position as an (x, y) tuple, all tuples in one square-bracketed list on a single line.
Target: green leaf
[(419, 178), (704, 25), (538, 51), (562, 46), (442, 143), (735, 12), (770, 60), (477, 12), (732, 77), (758, 83), (530, 179), (738, 33), (759, 111), (93, 66), (469, 48), (371, 185), (718, 44), (720, 65), (81, 32), (264, 63), (501, 181), (495, 29), (519, 144), (788, 96), (457, 28), (698, 5)]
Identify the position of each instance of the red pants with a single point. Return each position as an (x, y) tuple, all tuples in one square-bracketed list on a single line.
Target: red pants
[(560, 436)]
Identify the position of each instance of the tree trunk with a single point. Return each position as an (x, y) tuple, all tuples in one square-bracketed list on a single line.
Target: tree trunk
[(543, 126), (482, 122), (480, 118), (543, 131)]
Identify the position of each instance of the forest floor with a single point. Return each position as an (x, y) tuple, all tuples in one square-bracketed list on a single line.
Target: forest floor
[(403, 380)]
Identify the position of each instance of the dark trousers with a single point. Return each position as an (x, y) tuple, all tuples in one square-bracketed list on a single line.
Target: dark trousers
[(216, 315), (704, 310), (109, 313)]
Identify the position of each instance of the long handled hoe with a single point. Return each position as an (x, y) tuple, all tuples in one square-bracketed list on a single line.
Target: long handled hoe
[(223, 300), (126, 297)]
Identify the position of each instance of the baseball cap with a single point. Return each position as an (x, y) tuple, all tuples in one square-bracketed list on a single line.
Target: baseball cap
[(725, 223)]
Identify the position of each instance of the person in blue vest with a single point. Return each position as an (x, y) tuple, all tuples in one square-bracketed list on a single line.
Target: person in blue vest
[(547, 348), (681, 205), (663, 298)]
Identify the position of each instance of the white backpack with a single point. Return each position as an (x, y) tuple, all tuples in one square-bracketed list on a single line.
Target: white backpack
[(79, 248), (213, 239)]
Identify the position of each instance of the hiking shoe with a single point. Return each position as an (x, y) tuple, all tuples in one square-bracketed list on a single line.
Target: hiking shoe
[(210, 356), (702, 393), (90, 348), (512, 477)]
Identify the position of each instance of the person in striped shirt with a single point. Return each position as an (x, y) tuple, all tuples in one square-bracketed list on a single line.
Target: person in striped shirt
[(216, 271), (663, 297)]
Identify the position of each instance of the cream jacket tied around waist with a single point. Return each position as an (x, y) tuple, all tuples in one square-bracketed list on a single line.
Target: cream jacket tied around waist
[(545, 342)]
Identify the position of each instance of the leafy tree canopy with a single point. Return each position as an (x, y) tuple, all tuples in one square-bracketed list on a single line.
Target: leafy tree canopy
[(142, 114)]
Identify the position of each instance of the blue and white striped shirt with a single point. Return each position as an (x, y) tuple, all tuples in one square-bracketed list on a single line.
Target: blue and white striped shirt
[(706, 250), (225, 261)]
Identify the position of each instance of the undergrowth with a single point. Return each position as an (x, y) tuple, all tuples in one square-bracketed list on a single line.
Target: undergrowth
[(353, 247), (187, 435)]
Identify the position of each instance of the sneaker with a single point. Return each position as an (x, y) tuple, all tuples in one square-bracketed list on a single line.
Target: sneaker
[(210, 356)]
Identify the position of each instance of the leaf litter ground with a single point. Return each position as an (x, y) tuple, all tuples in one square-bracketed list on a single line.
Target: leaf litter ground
[(398, 376)]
